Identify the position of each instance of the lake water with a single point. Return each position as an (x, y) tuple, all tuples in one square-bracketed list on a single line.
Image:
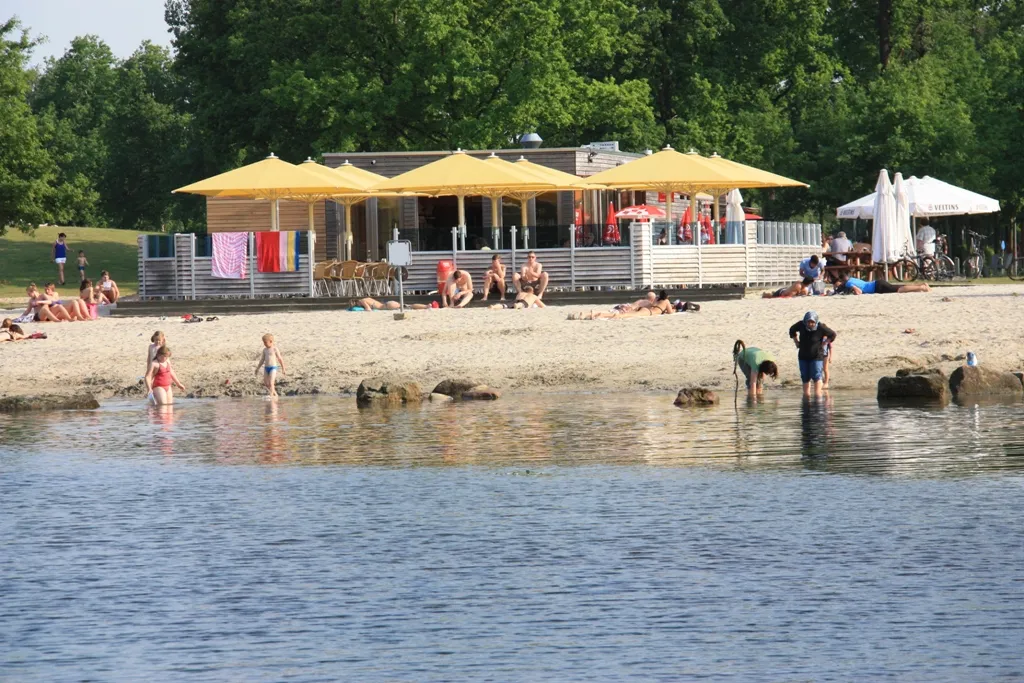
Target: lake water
[(566, 537)]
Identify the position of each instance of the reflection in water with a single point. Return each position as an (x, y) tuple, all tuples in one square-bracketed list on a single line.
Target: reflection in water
[(534, 538), (850, 433)]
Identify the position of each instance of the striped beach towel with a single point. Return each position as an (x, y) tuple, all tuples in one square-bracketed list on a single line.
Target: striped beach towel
[(228, 257), (277, 252)]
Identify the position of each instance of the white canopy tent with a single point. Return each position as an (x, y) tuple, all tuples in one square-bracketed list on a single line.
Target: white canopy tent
[(927, 197)]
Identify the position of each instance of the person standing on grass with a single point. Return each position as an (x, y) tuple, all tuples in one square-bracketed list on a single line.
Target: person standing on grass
[(809, 335), (59, 255), (82, 263)]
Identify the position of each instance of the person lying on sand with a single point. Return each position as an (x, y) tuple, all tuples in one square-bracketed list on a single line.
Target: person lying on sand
[(12, 332), (801, 288), (661, 306), (525, 299), (856, 286), (646, 302), (369, 304)]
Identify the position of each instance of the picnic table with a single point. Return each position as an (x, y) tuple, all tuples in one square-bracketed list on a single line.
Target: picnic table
[(858, 264)]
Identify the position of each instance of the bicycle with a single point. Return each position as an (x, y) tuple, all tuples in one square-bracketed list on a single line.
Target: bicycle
[(972, 267), (939, 266), (1016, 268), (906, 268)]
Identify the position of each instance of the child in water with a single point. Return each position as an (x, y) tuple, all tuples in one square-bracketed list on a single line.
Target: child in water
[(271, 361), (158, 340), (160, 377), (82, 263)]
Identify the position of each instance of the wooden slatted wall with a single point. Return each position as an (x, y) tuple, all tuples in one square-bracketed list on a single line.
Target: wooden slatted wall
[(253, 215)]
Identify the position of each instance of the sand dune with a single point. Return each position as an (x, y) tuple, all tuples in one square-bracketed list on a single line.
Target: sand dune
[(536, 350)]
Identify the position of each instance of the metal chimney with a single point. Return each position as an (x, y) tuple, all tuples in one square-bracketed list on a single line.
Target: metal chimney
[(530, 141)]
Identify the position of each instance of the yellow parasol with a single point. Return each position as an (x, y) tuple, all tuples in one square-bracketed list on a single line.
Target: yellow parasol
[(270, 179), (669, 171), (544, 179), (361, 180), (461, 175)]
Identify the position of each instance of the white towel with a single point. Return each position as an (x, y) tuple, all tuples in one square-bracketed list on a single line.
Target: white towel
[(229, 255)]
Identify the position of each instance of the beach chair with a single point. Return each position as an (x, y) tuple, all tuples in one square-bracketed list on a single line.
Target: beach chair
[(346, 275), (322, 279), (379, 279), (333, 273), (355, 284)]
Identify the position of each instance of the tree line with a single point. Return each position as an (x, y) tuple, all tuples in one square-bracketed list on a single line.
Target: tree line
[(825, 91)]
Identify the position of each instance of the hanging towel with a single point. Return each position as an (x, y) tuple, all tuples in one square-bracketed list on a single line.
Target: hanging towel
[(277, 252), (229, 255)]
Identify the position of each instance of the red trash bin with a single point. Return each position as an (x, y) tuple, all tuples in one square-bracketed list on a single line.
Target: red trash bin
[(444, 269)]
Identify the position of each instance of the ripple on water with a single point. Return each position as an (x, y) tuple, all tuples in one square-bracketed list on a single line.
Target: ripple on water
[(538, 537)]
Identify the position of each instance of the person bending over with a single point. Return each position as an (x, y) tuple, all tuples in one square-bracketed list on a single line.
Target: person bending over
[(532, 273), (809, 335), (458, 290), (856, 286), (755, 363)]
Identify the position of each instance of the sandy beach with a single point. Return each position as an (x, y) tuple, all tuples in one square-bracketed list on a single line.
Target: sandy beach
[(524, 351)]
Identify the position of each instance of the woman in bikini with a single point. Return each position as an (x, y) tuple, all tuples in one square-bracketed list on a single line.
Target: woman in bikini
[(661, 306), (74, 308), (160, 378), (42, 309)]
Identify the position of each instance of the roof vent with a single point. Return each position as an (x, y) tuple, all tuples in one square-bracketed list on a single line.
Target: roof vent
[(530, 141)]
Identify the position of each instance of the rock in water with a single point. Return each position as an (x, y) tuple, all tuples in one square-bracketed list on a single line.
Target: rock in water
[(978, 381), (481, 392), (455, 387), (18, 404), (914, 386), (696, 396), (440, 398), (385, 392)]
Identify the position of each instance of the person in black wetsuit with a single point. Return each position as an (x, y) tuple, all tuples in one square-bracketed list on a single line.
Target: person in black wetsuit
[(809, 336)]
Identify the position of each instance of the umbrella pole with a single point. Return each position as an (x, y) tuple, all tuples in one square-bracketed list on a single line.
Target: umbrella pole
[(462, 219), (275, 218), (495, 203), (310, 216), (524, 216), (348, 232)]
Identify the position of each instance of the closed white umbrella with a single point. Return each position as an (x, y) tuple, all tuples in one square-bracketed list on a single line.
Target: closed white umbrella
[(735, 218), (905, 234), (883, 233)]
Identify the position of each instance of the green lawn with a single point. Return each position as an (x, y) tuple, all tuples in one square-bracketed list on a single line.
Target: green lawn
[(26, 258)]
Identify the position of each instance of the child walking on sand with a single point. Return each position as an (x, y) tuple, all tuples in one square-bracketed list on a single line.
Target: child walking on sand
[(271, 361), (82, 263), (160, 377)]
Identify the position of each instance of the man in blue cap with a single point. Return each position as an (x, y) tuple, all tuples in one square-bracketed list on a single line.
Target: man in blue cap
[(811, 338)]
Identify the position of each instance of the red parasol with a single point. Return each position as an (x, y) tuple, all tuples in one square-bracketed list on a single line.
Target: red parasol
[(641, 212), (611, 229)]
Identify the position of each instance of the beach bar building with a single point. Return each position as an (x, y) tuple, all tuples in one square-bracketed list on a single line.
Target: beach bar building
[(568, 230)]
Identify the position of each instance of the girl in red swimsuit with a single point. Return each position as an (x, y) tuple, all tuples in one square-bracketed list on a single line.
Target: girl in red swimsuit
[(160, 377)]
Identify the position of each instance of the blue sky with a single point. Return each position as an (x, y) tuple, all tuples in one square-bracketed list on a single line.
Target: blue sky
[(121, 24)]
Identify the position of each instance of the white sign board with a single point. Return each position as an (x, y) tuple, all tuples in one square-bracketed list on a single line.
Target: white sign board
[(400, 253), (605, 146)]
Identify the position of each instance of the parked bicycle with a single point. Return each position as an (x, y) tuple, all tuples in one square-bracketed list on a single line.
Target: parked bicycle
[(940, 266), (972, 267), (906, 269)]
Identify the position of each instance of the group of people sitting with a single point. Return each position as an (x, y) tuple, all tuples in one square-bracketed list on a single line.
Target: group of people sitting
[(457, 291), (811, 282), (50, 306)]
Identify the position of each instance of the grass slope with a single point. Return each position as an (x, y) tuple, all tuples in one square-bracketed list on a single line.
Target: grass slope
[(25, 258)]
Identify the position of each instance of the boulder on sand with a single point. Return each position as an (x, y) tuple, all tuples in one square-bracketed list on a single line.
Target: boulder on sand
[(481, 392), (455, 387), (914, 385), (18, 404), (696, 396), (385, 392), (978, 381)]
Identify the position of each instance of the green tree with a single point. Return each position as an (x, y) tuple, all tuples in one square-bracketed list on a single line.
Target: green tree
[(146, 140), (73, 99), (25, 167)]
